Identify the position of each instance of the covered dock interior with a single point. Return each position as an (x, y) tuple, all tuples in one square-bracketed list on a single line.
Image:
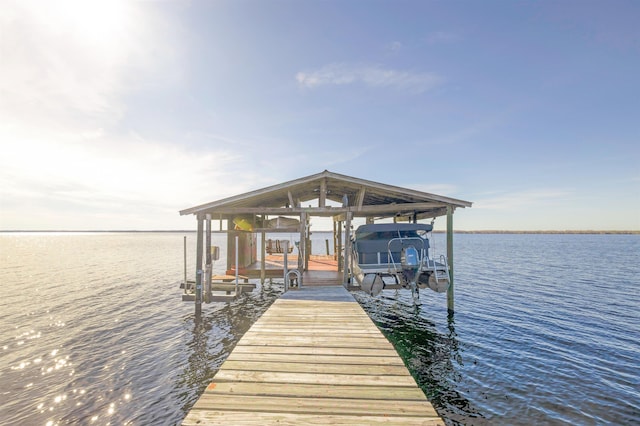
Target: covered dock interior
[(288, 207)]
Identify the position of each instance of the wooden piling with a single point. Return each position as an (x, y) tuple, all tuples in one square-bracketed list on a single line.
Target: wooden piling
[(263, 257), (302, 244), (199, 244), (450, 301), (237, 270), (207, 275), (185, 264), (347, 249)]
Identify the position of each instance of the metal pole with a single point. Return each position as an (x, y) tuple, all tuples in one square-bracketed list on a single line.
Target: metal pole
[(450, 298)]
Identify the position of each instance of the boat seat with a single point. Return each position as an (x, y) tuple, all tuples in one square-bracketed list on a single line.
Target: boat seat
[(369, 258)]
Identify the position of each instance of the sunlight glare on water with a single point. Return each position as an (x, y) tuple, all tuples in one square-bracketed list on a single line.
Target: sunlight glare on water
[(94, 331), (98, 331)]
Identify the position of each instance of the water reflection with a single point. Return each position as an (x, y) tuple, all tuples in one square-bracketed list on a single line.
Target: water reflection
[(433, 358), (213, 336)]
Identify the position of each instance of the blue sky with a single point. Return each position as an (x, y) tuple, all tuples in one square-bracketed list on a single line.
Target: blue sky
[(115, 115)]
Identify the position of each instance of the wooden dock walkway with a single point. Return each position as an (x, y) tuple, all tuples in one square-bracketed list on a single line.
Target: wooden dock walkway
[(316, 358)]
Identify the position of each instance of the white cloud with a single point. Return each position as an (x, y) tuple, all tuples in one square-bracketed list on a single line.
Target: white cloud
[(47, 174), (338, 74), (69, 62), (67, 68)]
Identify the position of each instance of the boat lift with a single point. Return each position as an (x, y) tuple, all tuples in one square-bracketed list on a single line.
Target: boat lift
[(217, 288)]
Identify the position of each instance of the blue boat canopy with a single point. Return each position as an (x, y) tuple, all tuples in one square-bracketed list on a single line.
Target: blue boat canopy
[(378, 231)]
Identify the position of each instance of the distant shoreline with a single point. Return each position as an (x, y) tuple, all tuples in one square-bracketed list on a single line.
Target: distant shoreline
[(586, 232), (542, 232)]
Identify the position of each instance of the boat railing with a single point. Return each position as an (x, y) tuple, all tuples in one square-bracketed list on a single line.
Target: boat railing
[(439, 273), (403, 243)]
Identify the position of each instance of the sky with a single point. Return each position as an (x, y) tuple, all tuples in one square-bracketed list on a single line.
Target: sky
[(115, 115)]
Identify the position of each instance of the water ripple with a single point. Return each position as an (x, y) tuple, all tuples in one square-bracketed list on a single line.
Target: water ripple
[(96, 332)]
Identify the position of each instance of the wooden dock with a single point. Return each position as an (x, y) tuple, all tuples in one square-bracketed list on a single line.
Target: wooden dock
[(314, 357)]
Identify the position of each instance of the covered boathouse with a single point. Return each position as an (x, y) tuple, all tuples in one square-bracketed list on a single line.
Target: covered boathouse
[(281, 209)]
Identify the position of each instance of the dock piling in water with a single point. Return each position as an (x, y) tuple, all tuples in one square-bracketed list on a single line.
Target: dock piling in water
[(198, 301), (450, 299)]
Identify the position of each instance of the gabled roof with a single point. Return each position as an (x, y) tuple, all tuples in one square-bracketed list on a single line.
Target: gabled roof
[(364, 198)]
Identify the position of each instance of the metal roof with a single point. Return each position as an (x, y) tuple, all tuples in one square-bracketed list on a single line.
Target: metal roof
[(363, 198)]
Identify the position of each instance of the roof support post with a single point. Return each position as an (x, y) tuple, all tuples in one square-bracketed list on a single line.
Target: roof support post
[(263, 254), (207, 275), (347, 250), (450, 257), (199, 269), (338, 243), (323, 193), (335, 244), (360, 198), (231, 245), (302, 244), (307, 247)]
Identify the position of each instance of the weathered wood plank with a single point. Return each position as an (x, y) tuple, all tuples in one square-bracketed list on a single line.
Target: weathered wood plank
[(317, 359), (327, 320), (310, 350), (295, 314), (337, 305), (220, 417), (229, 278), (314, 317), (398, 393), (313, 378), (245, 288), (259, 339), (295, 329), (310, 313), (298, 367), (310, 334), (319, 406), (301, 329)]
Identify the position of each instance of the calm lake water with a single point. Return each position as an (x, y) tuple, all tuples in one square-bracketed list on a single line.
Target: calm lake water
[(546, 330)]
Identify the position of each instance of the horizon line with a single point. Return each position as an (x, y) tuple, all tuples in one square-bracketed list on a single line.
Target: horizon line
[(458, 231)]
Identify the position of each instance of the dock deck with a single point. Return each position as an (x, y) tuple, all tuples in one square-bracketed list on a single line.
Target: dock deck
[(314, 357)]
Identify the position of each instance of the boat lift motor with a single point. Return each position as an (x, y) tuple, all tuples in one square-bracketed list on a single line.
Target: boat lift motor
[(410, 261)]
